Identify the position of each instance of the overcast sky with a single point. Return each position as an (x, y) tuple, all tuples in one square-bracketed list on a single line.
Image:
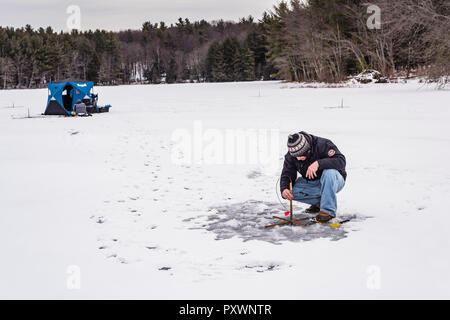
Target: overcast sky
[(124, 14)]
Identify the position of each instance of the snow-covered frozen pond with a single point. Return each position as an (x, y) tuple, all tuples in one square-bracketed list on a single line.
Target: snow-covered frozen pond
[(152, 201)]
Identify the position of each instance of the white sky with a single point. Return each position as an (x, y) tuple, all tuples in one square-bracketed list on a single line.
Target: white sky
[(124, 14)]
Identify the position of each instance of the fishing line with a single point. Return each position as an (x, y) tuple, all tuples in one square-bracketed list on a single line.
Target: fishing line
[(276, 190)]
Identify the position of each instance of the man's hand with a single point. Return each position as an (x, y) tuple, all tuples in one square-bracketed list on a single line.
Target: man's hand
[(287, 194), (312, 170)]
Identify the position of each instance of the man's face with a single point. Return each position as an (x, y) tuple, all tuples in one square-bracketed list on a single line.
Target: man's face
[(305, 156)]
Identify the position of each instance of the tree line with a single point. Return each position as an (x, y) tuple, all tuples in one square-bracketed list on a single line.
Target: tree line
[(184, 52), (30, 58), (314, 40), (328, 40)]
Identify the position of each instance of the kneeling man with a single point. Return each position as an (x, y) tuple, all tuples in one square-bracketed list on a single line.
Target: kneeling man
[(322, 169)]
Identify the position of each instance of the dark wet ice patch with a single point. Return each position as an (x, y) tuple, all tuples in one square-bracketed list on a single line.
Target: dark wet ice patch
[(247, 220)]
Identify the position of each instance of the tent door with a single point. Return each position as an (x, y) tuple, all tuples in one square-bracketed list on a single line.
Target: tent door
[(67, 97)]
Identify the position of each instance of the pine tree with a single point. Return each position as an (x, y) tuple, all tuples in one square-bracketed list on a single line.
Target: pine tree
[(275, 26), (215, 70), (172, 70), (93, 67), (246, 65), (231, 58)]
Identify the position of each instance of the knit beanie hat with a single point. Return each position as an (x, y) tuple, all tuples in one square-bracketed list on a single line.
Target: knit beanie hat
[(297, 144)]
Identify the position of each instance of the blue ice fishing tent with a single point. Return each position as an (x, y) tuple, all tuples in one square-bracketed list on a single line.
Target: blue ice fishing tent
[(63, 95)]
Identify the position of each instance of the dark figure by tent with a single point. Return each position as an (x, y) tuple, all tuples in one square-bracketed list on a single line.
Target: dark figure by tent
[(80, 108), (322, 169)]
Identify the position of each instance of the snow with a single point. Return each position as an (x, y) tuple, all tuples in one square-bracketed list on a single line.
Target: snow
[(368, 76), (115, 206)]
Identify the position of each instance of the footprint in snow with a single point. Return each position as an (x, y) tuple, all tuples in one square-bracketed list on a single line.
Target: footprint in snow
[(101, 220), (122, 260), (254, 175), (262, 268)]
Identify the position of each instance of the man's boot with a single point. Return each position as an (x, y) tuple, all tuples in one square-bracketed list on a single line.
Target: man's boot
[(315, 208), (323, 217)]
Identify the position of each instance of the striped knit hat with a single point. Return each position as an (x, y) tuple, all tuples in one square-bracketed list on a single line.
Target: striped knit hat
[(298, 145)]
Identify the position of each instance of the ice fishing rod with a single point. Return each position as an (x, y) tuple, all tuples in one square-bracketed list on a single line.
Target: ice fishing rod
[(333, 225), (291, 220)]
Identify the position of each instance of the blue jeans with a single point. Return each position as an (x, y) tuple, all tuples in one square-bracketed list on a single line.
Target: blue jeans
[(321, 191)]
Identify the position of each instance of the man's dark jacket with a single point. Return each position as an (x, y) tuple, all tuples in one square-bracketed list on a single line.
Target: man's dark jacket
[(322, 150)]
